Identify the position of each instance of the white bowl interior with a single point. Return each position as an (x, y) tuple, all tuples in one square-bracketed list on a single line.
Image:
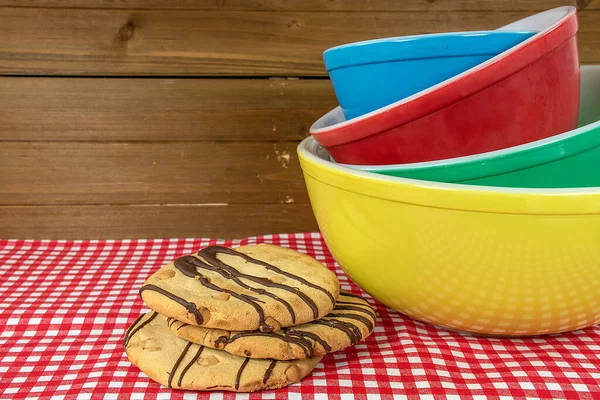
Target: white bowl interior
[(538, 21)]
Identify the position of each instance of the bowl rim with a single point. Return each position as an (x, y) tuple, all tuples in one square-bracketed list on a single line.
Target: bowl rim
[(563, 22), (408, 48), (452, 196)]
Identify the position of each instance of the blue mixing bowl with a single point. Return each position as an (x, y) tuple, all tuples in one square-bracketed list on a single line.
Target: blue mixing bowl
[(375, 73)]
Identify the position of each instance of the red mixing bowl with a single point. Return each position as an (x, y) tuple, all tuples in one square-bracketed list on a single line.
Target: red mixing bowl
[(526, 93)]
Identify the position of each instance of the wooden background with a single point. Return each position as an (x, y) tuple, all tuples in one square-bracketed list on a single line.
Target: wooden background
[(180, 118)]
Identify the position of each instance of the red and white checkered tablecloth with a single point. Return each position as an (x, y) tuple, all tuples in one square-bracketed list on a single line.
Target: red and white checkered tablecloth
[(66, 304)]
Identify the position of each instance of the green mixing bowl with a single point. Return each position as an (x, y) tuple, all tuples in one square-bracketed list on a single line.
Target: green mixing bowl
[(570, 159)]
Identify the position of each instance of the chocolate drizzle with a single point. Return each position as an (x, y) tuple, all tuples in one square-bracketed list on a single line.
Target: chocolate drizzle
[(189, 306), (269, 371), (310, 335), (195, 358), (239, 374), (225, 250), (356, 308), (355, 317), (351, 330), (212, 263), (210, 255), (182, 265), (183, 353), (356, 296), (126, 336), (189, 365), (301, 342), (189, 265), (306, 340), (131, 331), (172, 321)]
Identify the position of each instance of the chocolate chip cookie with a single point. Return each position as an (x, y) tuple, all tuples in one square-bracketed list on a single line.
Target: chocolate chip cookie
[(351, 321), (258, 287), (177, 363)]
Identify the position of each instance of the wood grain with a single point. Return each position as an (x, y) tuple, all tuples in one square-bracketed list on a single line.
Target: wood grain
[(120, 222), (210, 43), (310, 5), (150, 173), (92, 158), (86, 109)]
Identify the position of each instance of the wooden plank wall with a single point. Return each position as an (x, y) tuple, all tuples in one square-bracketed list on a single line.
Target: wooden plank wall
[(152, 118)]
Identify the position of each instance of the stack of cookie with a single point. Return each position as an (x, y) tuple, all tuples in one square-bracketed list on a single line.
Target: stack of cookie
[(257, 317)]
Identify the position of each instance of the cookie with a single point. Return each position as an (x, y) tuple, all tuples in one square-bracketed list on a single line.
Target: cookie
[(259, 287), (351, 321), (177, 363)]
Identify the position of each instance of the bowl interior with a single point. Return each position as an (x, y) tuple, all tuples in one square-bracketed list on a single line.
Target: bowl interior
[(419, 47)]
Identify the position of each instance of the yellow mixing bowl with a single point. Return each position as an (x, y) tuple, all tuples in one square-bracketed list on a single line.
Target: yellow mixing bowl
[(494, 261)]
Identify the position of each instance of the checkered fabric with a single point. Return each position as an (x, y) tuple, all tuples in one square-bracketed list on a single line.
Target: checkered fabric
[(65, 306)]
